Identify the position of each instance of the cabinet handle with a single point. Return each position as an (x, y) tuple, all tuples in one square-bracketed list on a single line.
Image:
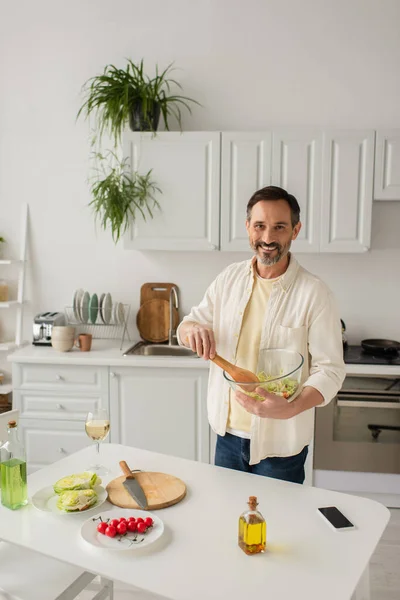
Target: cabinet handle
[(112, 374), (59, 406), (61, 450), (59, 377)]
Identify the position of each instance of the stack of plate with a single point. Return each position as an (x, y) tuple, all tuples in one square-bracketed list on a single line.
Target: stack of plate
[(94, 310)]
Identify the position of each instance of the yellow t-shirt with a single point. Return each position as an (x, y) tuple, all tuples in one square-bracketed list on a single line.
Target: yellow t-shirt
[(247, 351)]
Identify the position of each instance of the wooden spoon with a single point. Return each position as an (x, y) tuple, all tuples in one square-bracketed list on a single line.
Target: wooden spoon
[(237, 373)]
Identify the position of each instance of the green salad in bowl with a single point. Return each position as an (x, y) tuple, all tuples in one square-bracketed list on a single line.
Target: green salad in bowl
[(279, 372)]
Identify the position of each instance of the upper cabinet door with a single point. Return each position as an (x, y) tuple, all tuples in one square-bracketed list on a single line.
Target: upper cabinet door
[(245, 168), (185, 166), (387, 165), (297, 167), (347, 190)]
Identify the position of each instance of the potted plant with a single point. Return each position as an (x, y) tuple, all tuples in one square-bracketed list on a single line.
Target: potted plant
[(118, 196), (121, 96)]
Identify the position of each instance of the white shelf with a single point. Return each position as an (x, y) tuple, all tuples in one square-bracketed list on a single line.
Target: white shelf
[(9, 261), (11, 346), (9, 303), (5, 388)]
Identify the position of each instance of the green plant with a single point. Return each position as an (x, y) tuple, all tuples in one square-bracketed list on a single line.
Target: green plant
[(116, 94), (2, 239), (118, 196)]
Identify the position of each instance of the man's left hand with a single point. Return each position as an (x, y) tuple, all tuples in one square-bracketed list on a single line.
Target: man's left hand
[(273, 407)]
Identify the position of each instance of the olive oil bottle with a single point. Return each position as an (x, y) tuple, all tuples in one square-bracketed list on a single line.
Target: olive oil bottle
[(14, 489), (252, 529)]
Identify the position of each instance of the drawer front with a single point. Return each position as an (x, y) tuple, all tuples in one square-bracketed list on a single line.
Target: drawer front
[(48, 405), (46, 443), (39, 376)]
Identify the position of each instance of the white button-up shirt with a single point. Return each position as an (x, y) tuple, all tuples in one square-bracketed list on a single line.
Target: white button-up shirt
[(301, 315)]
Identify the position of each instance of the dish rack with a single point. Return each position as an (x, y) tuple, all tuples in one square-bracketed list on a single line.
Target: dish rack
[(99, 330)]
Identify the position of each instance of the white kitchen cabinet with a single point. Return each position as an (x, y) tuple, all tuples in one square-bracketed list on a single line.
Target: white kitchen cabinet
[(53, 401), (348, 161), (207, 178), (387, 165), (185, 166), (161, 409), (245, 168), (47, 441), (297, 167)]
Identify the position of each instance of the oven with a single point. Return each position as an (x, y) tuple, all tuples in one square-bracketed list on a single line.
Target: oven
[(360, 429)]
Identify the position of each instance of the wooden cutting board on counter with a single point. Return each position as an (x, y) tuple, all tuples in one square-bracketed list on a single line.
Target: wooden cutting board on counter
[(161, 490), (153, 317)]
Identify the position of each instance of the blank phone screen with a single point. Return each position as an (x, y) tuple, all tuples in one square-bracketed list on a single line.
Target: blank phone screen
[(334, 516)]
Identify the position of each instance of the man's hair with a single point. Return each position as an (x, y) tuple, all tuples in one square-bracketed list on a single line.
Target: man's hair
[(273, 192)]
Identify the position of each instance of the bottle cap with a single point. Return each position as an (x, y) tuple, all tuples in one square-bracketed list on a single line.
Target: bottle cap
[(12, 424), (253, 500)]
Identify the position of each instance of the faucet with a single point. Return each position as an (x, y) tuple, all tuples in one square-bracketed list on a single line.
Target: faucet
[(173, 303)]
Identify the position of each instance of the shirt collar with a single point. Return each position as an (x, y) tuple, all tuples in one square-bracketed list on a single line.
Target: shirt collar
[(287, 278)]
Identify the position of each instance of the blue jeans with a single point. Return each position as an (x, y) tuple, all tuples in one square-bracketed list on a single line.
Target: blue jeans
[(233, 452)]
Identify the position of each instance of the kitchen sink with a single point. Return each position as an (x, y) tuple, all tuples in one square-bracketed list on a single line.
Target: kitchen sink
[(142, 349)]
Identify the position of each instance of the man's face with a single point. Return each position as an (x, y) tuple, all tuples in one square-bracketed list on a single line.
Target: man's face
[(270, 231)]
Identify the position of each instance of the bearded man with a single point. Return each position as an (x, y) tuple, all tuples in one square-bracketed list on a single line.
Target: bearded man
[(269, 301)]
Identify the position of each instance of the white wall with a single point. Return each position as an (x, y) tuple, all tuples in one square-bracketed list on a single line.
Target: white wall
[(254, 64)]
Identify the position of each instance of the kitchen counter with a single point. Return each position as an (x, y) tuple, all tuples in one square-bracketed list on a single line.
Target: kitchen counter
[(103, 353), (107, 353)]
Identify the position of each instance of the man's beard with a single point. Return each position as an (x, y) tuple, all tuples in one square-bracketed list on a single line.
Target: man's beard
[(265, 259)]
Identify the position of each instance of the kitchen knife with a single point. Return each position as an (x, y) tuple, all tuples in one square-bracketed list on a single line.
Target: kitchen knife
[(132, 486)]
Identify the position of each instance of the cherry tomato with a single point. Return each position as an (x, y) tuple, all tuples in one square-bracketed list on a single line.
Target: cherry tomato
[(132, 519), (121, 528), (141, 527), (101, 527), (122, 520), (111, 531), (139, 520), (148, 521), (132, 526), (114, 522)]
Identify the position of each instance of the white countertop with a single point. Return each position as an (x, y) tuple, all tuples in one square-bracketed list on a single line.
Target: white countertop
[(198, 556), (103, 353), (107, 353)]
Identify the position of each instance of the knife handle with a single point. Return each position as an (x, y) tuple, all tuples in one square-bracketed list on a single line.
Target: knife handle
[(125, 469)]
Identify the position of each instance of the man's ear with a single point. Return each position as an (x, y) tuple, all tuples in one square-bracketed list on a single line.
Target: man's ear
[(296, 230)]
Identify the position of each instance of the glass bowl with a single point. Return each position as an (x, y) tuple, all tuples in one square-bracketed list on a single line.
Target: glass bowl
[(282, 370)]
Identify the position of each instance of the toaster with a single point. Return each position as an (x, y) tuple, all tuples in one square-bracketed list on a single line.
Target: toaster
[(43, 323)]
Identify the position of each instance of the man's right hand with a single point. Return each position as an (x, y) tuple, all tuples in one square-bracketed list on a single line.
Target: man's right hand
[(199, 338)]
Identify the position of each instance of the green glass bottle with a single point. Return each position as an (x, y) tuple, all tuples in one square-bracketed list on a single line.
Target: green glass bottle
[(14, 489)]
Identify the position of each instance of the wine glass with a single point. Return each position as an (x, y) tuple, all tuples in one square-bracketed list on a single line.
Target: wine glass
[(97, 427)]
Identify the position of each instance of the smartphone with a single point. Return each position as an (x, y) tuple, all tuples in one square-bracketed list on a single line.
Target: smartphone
[(335, 518)]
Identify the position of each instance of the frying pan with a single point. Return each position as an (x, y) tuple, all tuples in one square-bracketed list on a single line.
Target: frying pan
[(380, 346)]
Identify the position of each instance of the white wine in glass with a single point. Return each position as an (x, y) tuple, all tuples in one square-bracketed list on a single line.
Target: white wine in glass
[(97, 427)]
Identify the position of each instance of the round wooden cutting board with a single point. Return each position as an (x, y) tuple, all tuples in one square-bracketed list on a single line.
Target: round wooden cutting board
[(153, 320), (161, 490)]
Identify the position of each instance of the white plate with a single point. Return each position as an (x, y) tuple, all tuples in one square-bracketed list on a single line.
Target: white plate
[(46, 500), (114, 317), (84, 307), (121, 314), (106, 309), (126, 542), (76, 304)]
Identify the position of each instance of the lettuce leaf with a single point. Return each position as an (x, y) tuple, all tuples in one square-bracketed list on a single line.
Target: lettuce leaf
[(76, 500), (77, 481)]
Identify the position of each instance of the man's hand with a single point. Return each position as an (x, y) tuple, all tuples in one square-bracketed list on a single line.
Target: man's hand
[(199, 338), (273, 407), (277, 407)]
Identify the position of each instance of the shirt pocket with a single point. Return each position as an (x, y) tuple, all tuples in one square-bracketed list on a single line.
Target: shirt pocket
[(292, 338)]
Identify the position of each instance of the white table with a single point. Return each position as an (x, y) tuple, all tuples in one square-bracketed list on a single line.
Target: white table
[(198, 558)]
